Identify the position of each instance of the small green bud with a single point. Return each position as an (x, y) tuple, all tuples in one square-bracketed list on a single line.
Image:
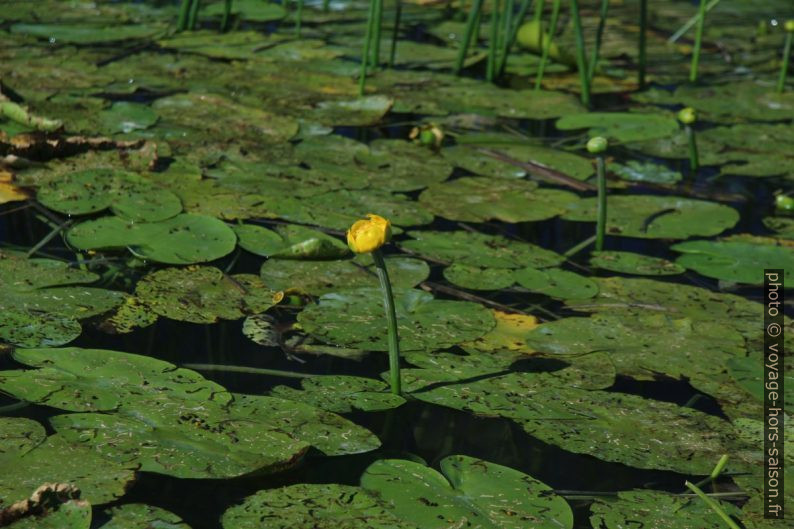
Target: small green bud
[(426, 137), (784, 203), (687, 116), (789, 26), (597, 145)]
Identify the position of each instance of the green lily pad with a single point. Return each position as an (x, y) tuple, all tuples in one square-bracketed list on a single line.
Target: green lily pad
[(83, 192), (635, 264), (58, 461), (290, 242), (183, 239), (260, 329), (657, 217), (621, 126), (19, 435), (469, 158), (313, 506), (321, 277), (479, 199), (69, 514), (355, 318), (130, 315), (479, 278), (38, 329), (635, 171), (467, 491), (204, 294), (478, 249), (85, 33), (403, 166), (737, 100), (342, 394), (556, 283), (782, 226), (250, 10), (127, 117), (140, 516), (356, 112), (660, 510), (741, 262)]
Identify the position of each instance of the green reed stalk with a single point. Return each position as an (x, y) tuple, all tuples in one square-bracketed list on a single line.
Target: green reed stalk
[(712, 504), (781, 82), (298, 18), (715, 473), (516, 25), (581, 58), (468, 34), (398, 10), (376, 33), (693, 68), (227, 12), (365, 57), (504, 37), (544, 58), (493, 44), (602, 203), (538, 12), (194, 10), (643, 44), (326, 6), (694, 160), (602, 19), (391, 319), (184, 13)]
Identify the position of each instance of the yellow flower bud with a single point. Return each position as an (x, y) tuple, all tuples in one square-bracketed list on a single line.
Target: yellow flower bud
[(789, 26), (687, 116), (366, 236)]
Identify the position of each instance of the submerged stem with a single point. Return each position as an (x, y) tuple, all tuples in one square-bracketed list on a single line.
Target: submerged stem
[(713, 504), (245, 369), (694, 162), (391, 319)]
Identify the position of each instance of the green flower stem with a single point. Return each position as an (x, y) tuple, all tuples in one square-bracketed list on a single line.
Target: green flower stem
[(227, 11), (468, 35), (245, 369), (642, 46), (391, 318), (398, 11), (376, 33), (544, 57), (581, 58), (602, 19), (601, 223), (715, 473), (194, 9), (517, 20), (713, 504), (298, 18), (693, 68), (362, 78), (504, 37), (538, 12), (184, 12), (781, 82), (694, 162), (493, 44)]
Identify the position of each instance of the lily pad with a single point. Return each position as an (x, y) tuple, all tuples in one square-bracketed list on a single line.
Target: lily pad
[(141, 516), (621, 126), (342, 394), (204, 294), (741, 262), (184, 239), (290, 242), (479, 278), (355, 318), (403, 166), (635, 264), (38, 329), (657, 217), (19, 436), (85, 33), (313, 506), (466, 491), (479, 199), (321, 277), (635, 171), (556, 283)]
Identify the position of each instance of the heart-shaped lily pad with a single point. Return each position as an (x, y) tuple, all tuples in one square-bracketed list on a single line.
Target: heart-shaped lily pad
[(355, 318), (184, 239), (736, 260), (290, 242)]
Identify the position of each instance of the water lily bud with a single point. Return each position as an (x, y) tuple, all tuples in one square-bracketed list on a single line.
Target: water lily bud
[(368, 235), (789, 26), (784, 203), (597, 145), (687, 116)]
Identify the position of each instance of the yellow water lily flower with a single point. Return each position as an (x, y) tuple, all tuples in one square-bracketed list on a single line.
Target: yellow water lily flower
[(368, 235)]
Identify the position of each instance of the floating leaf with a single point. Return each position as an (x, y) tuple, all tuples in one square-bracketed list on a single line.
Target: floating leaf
[(556, 283), (468, 491), (621, 126), (342, 394), (479, 278), (399, 165), (355, 318), (738, 261), (657, 217), (204, 294), (290, 242), (260, 329), (37, 329), (184, 239), (85, 33), (635, 171), (140, 516), (635, 263), (19, 436)]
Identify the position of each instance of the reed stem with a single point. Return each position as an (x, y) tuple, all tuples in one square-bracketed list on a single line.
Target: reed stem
[(376, 34), (642, 52), (601, 225), (544, 57), (362, 78), (391, 319), (298, 18), (781, 82), (398, 10), (693, 69), (712, 504), (694, 161), (473, 20), (194, 9), (493, 44), (184, 13), (227, 12), (504, 37), (602, 19), (581, 58)]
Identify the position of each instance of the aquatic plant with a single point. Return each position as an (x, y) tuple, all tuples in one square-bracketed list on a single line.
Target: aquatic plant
[(598, 145), (368, 236), (688, 116), (581, 54), (547, 43), (642, 44), (602, 18), (693, 68), (781, 82)]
